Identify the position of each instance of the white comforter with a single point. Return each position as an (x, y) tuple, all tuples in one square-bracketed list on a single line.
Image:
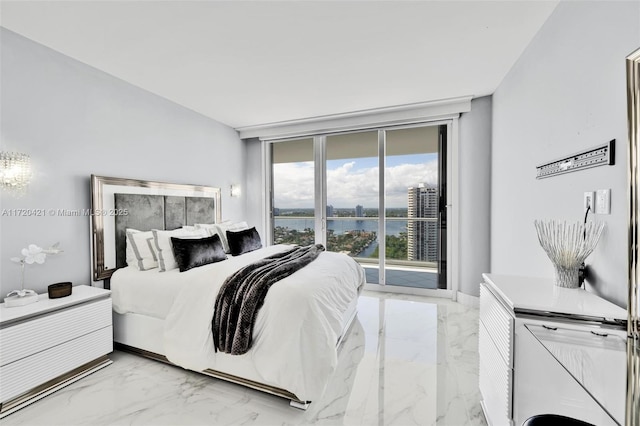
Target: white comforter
[(295, 335)]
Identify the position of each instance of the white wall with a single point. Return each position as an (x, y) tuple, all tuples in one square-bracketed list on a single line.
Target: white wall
[(566, 93), (474, 164), (75, 121)]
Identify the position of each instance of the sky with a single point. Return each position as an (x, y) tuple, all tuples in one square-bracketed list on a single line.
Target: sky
[(354, 181)]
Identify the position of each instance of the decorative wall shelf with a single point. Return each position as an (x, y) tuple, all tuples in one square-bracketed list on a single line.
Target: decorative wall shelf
[(601, 155)]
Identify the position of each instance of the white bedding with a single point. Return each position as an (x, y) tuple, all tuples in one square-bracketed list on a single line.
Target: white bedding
[(294, 339), (149, 293)]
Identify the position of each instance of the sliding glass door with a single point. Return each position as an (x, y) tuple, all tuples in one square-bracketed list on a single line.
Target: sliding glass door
[(353, 194), (415, 201), (330, 190)]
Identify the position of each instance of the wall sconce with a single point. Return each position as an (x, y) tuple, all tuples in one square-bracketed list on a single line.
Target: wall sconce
[(236, 191), (15, 170)]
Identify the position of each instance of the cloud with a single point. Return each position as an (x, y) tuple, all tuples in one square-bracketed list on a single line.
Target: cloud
[(347, 185), (403, 176), (293, 185)]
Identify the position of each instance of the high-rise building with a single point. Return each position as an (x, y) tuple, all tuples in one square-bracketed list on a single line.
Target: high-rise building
[(422, 236), (329, 210), (359, 211)]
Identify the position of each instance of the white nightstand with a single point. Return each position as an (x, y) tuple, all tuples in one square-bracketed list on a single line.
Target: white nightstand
[(52, 343), (520, 377)]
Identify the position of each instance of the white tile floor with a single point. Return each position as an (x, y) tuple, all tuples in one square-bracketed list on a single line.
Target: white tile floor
[(408, 360)]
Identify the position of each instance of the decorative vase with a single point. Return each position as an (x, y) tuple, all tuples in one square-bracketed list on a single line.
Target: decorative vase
[(568, 244), (567, 276)]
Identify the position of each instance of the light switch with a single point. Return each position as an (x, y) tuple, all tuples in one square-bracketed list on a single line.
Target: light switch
[(603, 201)]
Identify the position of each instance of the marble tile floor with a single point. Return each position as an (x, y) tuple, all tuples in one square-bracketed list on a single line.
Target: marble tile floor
[(408, 360)]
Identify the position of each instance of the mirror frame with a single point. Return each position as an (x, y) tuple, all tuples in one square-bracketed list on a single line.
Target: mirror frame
[(102, 186), (633, 162)]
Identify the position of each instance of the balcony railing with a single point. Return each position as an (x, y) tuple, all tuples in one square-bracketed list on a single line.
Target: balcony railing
[(306, 224)]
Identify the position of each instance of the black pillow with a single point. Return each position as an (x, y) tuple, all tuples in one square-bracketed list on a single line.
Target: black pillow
[(194, 252), (243, 241)]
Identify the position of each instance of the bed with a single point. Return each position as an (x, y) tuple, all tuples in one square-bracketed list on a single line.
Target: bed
[(167, 315)]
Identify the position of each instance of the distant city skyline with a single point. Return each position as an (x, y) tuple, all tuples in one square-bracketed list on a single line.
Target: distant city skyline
[(352, 182)]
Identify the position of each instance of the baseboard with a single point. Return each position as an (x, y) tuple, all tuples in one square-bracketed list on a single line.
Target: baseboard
[(468, 300)]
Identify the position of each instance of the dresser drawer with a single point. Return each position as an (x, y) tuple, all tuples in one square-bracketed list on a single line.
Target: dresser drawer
[(498, 323), (496, 380), (30, 372), (41, 333)]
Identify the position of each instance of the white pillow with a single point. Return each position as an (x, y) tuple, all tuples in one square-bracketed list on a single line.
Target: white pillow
[(131, 255), (222, 228), (142, 247), (212, 226), (162, 241), (207, 227)]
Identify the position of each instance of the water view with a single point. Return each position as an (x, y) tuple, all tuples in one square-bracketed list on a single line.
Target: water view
[(357, 237)]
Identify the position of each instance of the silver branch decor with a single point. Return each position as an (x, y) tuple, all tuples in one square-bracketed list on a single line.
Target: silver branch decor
[(568, 244)]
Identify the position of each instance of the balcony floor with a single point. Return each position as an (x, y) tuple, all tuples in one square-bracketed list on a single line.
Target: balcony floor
[(404, 277)]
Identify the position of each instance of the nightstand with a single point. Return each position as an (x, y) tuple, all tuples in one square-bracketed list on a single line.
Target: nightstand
[(528, 327), (52, 343)]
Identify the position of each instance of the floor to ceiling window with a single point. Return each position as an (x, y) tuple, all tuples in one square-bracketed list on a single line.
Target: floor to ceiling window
[(415, 172), (293, 189), (353, 194), (329, 189)]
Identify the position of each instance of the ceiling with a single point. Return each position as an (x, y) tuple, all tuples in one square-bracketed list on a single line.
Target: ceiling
[(249, 63)]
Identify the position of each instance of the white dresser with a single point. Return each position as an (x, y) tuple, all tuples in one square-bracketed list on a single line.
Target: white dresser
[(542, 350), (51, 343)]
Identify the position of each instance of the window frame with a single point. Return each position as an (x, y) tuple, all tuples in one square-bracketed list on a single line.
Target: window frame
[(452, 206)]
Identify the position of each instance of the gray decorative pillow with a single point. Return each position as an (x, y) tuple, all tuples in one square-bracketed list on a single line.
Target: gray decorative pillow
[(243, 241), (193, 252)]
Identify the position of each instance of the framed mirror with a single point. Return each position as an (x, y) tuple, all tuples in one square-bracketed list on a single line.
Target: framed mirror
[(633, 341), (106, 212)]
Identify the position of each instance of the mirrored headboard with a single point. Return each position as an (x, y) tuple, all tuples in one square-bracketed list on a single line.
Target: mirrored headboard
[(118, 204)]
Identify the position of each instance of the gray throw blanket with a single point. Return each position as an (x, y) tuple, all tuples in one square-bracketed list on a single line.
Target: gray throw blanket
[(243, 293)]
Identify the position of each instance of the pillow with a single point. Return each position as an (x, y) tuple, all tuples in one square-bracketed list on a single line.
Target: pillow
[(222, 228), (142, 246), (130, 254), (243, 241), (194, 252), (162, 241), (209, 227)]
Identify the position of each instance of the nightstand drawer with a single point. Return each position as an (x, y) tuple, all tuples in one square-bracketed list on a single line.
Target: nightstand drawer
[(496, 379), (498, 323), (30, 372), (41, 333)]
